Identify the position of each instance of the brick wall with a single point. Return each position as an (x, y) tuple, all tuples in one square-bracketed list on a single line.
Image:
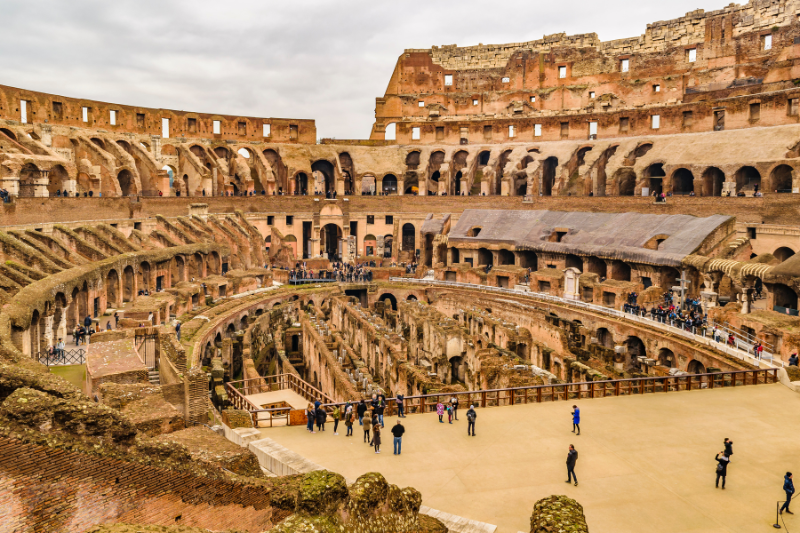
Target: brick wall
[(42, 489)]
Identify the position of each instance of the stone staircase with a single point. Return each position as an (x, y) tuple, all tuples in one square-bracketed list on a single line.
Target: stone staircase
[(153, 377)]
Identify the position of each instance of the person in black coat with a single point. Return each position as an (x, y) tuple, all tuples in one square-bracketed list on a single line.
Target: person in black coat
[(572, 458), (788, 488), (320, 415), (728, 443), (722, 467), (360, 410)]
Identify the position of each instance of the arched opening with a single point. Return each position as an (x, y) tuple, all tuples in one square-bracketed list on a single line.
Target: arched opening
[(58, 175), (713, 178), (483, 157), (669, 277), (595, 265), (457, 183), (605, 338), (682, 182), (505, 257), (666, 358), (112, 288), (626, 181), (642, 149), (28, 177), (221, 152), (635, 348), (411, 298), (548, 176), (170, 172), (655, 175), (244, 152), (748, 180), (782, 177), (301, 183), (8, 133), (620, 271), (696, 367), (409, 238), (412, 160), (456, 369), (326, 169), (126, 184), (454, 255), (574, 261), (390, 132), (389, 184), (331, 236), (389, 301), (143, 276), (484, 257), (388, 242), (783, 253), (785, 298), (128, 284)]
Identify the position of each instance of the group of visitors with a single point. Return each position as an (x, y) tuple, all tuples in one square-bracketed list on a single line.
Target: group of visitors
[(411, 268), (692, 316), (5, 196), (342, 272), (83, 332)]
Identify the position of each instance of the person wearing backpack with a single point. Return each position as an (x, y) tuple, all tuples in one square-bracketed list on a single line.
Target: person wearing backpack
[(471, 416), (722, 468), (454, 404), (337, 413), (349, 420), (788, 488)]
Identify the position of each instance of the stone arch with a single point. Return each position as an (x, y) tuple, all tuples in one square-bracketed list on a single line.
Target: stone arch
[(784, 296), (574, 261), (666, 358), (781, 179), (127, 183), (605, 338), (484, 257), (28, 176), (696, 367), (548, 176), (409, 236), (625, 179), (636, 347), (747, 179), (682, 182), (128, 284), (783, 253), (326, 168), (595, 265), (112, 288), (620, 271), (412, 160), (389, 184), (505, 257), (713, 180), (278, 168), (387, 296), (654, 176), (56, 180)]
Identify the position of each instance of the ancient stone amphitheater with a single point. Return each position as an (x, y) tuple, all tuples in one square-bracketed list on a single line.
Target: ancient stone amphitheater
[(529, 227)]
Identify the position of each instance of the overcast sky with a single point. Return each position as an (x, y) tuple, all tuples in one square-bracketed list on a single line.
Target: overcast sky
[(326, 60)]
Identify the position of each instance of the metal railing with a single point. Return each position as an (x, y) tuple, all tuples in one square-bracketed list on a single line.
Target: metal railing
[(735, 351), (239, 390), (427, 403), (76, 356)]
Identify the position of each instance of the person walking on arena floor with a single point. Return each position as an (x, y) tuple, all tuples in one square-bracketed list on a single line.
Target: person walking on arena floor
[(722, 468), (728, 443), (788, 488), (376, 437), (337, 413), (440, 411), (397, 432), (576, 419), (471, 416), (310, 417), (572, 458), (367, 423)]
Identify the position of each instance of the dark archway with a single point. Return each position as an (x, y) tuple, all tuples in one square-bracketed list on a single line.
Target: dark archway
[(696, 367), (713, 178), (626, 181), (331, 237), (505, 257), (655, 175), (782, 178), (484, 257), (666, 358), (126, 184), (785, 297), (783, 253), (574, 261), (748, 179), (682, 182), (301, 183), (326, 168), (409, 237), (548, 176), (595, 265), (389, 301), (388, 242), (605, 338), (27, 180), (620, 271), (389, 184)]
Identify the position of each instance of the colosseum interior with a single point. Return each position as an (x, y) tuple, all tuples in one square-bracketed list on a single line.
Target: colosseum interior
[(527, 226)]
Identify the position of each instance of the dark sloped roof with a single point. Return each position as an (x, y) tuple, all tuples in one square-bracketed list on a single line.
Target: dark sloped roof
[(610, 235)]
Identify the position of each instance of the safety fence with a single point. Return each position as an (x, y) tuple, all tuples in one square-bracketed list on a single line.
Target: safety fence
[(75, 356)]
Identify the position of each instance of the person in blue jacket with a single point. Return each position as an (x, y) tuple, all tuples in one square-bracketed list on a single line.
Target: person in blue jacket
[(788, 488), (576, 419)]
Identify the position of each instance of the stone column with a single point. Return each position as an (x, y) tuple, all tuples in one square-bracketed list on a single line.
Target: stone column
[(47, 134), (11, 184), (746, 298), (47, 334), (40, 184)]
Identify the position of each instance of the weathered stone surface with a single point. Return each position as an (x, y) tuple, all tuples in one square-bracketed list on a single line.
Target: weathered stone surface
[(558, 514)]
